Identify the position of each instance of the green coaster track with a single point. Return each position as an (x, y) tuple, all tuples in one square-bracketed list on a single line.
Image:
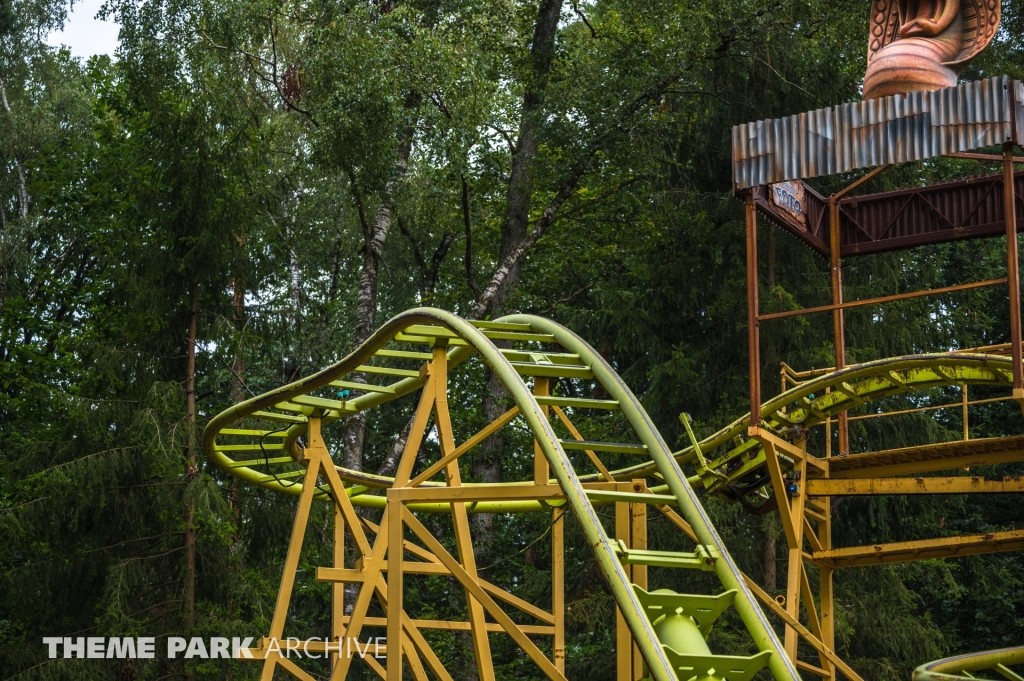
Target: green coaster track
[(261, 441)]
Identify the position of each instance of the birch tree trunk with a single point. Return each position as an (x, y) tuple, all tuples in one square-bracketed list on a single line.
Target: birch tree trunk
[(366, 301), (292, 363), (366, 323), (23, 197)]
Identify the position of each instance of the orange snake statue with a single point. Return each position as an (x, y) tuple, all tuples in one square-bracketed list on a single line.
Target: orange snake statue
[(923, 44)]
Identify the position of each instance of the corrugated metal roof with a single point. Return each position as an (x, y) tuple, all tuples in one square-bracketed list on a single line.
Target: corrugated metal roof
[(874, 132)]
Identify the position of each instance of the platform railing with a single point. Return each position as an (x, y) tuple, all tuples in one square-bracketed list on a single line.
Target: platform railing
[(791, 378)]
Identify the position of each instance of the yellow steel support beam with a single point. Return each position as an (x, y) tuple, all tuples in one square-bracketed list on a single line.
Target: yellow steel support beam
[(889, 486), (261, 441), (471, 493), (944, 456), (923, 549)]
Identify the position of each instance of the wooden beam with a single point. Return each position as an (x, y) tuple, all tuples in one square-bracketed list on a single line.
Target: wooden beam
[(817, 671), (809, 534), (460, 518), (372, 564), (576, 434), (638, 540), (431, 560), (779, 486), (327, 574), (447, 625), (396, 582), (557, 587), (291, 561), (623, 637), (795, 570)]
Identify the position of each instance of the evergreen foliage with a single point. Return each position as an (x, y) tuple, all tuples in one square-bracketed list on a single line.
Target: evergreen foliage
[(235, 155)]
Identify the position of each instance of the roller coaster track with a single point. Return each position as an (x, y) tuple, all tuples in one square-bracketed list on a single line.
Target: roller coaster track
[(275, 441), (960, 668)]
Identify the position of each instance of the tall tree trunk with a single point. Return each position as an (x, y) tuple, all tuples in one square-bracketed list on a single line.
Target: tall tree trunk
[(770, 527), (237, 362), (332, 290), (486, 465), (237, 390), (292, 365), (191, 468), (470, 277), (295, 273), (366, 300), (23, 198), (366, 319)]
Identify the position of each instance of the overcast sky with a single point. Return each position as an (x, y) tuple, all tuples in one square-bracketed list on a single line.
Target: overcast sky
[(84, 34)]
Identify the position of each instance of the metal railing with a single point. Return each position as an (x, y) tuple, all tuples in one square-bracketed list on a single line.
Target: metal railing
[(790, 378)]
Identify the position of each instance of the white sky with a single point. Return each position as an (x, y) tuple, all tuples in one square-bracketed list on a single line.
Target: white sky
[(84, 34)]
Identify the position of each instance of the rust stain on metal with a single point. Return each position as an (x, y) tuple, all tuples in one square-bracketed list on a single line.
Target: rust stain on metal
[(894, 129), (874, 223)]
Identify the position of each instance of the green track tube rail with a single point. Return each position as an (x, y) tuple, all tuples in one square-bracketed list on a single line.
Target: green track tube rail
[(960, 667), (259, 441), (290, 406)]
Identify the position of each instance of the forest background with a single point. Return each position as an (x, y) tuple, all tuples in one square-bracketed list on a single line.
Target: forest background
[(250, 187)]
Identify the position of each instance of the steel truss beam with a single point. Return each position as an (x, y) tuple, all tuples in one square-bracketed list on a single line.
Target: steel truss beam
[(259, 441), (381, 565)]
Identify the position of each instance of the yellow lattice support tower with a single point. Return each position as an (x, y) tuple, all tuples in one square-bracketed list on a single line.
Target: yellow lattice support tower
[(277, 441)]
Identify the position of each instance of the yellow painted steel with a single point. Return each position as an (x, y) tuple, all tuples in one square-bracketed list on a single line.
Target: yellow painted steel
[(843, 487), (922, 549), (276, 441)]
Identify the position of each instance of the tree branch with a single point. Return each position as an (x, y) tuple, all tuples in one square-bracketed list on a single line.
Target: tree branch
[(583, 17), (544, 222), (416, 253), (272, 79)]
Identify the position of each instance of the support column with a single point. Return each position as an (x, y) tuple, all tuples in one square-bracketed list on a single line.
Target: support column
[(460, 517), (638, 540), (395, 583), (338, 588), (795, 566), (1012, 271), (394, 590), (623, 638), (825, 590), (541, 469), (558, 586), (838, 327), (753, 330), (311, 461), (964, 400)]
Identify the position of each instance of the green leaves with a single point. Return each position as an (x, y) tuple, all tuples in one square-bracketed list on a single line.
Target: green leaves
[(244, 148)]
